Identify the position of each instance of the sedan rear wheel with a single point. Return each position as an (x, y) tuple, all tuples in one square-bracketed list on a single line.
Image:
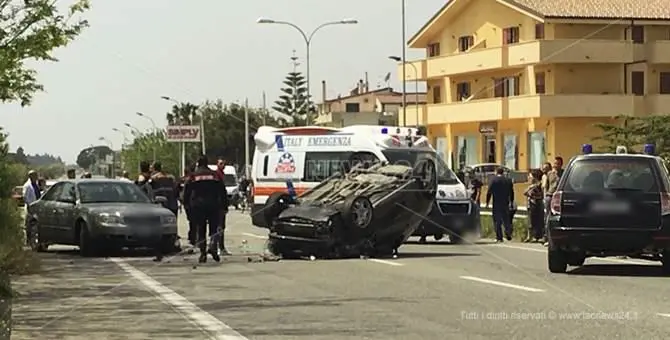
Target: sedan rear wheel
[(358, 211)]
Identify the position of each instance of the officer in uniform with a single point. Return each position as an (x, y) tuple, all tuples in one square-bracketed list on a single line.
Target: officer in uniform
[(164, 185), (205, 196)]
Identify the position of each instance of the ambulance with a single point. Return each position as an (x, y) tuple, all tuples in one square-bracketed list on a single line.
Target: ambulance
[(296, 159)]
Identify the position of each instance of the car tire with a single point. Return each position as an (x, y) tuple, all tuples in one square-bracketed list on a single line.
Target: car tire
[(34, 239), (87, 247), (557, 261), (358, 212), (665, 262), (576, 259), (276, 203)]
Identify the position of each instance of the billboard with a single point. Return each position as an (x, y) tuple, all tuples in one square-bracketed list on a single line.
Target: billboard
[(182, 133)]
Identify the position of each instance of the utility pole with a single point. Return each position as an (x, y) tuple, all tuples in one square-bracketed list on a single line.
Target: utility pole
[(246, 138), (404, 68), (265, 109)]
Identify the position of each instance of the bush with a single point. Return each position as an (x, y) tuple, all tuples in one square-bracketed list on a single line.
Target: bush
[(14, 258), (520, 227)]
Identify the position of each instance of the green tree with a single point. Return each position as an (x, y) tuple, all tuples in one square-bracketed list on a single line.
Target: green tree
[(622, 132), (294, 101), (31, 30), (633, 132), (20, 156)]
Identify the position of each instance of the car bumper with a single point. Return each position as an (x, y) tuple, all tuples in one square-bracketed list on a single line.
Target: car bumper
[(608, 242), (129, 236), (444, 221)]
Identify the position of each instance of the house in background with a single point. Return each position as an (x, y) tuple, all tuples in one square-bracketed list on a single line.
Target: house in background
[(365, 107), (517, 82)]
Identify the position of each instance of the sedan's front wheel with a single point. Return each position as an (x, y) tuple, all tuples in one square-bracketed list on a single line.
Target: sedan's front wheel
[(86, 245), (34, 239)]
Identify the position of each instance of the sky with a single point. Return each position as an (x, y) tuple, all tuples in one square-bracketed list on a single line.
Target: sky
[(134, 52)]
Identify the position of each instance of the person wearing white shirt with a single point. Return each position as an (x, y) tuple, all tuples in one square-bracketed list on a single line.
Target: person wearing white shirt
[(31, 190)]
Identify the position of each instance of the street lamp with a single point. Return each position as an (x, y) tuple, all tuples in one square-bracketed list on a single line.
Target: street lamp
[(135, 131), (308, 43), (404, 61), (416, 90)]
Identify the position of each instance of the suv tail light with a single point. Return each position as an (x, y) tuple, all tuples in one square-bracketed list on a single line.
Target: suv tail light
[(665, 203), (555, 203)]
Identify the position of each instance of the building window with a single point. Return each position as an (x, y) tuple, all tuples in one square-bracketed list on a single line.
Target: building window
[(539, 31), (437, 95), (352, 107), (462, 91), (637, 34), (510, 152), (664, 85), (434, 50), (510, 35), (536, 150), (637, 83), (465, 42), (466, 152), (506, 87), (539, 83)]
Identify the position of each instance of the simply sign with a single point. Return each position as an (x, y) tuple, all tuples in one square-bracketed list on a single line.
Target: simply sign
[(182, 133)]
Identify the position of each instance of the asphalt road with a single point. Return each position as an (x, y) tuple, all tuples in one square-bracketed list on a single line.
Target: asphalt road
[(433, 291)]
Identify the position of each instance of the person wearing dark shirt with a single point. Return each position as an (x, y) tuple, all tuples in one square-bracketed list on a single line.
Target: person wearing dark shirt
[(164, 185), (501, 189), (205, 196), (535, 205), (71, 174), (220, 166), (144, 178), (476, 187)]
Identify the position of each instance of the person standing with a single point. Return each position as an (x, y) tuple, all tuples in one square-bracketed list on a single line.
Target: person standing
[(144, 178), (501, 190), (553, 175), (164, 185), (31, 193), (71, 174), (205, 196), (220, 166), (535, 206)]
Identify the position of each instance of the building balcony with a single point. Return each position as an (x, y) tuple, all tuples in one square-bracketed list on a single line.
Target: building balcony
[(657, 104), (416, 70), (572, 51), (658, 52), (467, 62), (574, 105), (415, 116), (461, 112)]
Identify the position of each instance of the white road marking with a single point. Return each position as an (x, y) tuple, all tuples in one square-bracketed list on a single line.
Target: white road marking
[(665, 315), (217, 329), (390, 263), (502, 284), (640, 262), (255, 236)]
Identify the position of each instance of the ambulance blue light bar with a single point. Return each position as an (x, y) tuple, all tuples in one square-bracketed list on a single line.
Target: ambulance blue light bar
[(587, 149), (385, 131), (649, 149)]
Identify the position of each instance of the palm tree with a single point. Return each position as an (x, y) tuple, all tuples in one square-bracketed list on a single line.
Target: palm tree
[(183, 114)]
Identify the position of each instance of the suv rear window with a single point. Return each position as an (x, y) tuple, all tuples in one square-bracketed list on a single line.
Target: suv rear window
[(597, 175)]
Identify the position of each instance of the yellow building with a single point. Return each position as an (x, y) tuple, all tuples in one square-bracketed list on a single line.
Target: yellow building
[(519, 82)]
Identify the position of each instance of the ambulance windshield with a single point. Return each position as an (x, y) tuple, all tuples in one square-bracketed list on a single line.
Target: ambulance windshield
[(410, 157)]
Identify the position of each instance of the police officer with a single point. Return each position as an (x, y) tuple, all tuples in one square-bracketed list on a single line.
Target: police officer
[(192, 228), (164, 185), (205, 196)]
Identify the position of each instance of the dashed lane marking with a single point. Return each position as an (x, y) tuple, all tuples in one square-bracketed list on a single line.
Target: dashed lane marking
[(502, 284), (205, 321), (387, 262)]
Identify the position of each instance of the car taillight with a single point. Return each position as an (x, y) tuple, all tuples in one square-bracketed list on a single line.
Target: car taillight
[(555, 203), (665, 203)]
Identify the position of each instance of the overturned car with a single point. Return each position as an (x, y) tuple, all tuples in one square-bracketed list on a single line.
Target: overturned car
[(367, 211)]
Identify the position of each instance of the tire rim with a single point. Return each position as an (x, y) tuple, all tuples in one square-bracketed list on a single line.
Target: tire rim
[(362, 212)]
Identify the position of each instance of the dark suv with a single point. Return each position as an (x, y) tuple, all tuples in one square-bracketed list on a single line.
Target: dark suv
[(610, 205)]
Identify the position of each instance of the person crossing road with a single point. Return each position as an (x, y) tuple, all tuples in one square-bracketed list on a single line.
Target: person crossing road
[(205, 197)]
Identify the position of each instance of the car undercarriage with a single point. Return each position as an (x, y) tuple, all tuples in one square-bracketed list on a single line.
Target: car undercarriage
[(365, 212)]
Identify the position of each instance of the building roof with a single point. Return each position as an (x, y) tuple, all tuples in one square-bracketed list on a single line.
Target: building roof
[(574, 9), (396, 98)]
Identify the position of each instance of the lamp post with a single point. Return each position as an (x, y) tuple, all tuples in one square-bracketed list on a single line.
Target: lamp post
[(182, 145), (416, 89), (153, 123), (135, 131), (404, 62), (308, 43), (126, 141)]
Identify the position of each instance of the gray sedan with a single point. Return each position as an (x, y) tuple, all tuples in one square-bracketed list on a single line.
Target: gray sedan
[(99, 216)]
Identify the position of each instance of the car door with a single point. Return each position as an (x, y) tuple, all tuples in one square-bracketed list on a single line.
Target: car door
[(44, 211), (65, 210)]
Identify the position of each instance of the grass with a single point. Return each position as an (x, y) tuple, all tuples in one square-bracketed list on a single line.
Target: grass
[(520, 227)]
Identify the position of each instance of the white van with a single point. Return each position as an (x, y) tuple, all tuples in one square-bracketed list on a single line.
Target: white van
[(230, 179), (298, 158)]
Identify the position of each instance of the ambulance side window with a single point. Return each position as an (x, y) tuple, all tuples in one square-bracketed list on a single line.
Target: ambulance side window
[(321, 165), (266, 159)]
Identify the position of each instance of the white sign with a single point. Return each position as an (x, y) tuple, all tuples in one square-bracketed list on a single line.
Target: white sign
[(325, 141), (182, 133)]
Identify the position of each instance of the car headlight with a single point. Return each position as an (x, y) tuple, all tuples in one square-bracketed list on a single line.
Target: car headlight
[(107, 218), (169, 220)]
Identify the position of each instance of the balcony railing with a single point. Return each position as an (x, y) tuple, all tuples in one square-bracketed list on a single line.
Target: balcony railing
[(571, 51)]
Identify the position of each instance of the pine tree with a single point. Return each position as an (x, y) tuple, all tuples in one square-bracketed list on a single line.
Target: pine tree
[(294, 102)]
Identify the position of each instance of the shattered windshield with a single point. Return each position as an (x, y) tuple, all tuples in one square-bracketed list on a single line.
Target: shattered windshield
[(411, 157)]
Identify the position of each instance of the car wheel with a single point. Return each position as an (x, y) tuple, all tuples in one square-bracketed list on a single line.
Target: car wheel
[(358, 211), (276, 203), (665, 262), (86, 245), (557, 261), (34, 239), (438, 237), (576, 259)]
